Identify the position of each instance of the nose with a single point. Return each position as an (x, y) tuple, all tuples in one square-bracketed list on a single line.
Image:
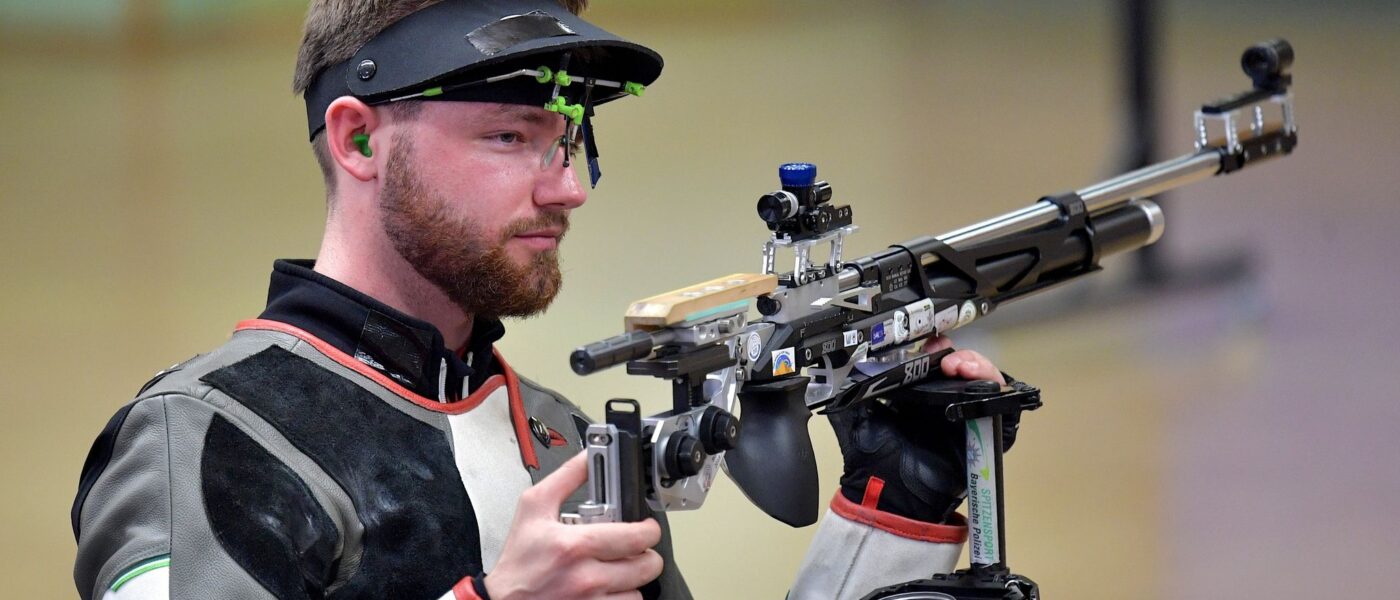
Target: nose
[(558, 187)]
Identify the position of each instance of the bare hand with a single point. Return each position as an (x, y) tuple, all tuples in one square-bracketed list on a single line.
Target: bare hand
[(964, 364), (544, 558)]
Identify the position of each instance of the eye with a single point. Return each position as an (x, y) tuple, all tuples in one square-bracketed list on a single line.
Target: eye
[(507, 137)]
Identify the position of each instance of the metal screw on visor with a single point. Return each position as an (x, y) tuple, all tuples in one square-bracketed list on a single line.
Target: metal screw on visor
[(366, 69)]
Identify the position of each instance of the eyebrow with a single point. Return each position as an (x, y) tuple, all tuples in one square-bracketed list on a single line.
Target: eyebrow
[(529, 114)]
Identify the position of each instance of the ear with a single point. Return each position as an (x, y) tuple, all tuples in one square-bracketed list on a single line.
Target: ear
[(346, 118)]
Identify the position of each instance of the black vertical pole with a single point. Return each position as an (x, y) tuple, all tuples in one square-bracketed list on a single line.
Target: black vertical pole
[(1139, 45), (997, 451)]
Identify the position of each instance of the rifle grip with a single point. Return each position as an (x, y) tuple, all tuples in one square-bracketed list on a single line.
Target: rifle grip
[(773, 463)]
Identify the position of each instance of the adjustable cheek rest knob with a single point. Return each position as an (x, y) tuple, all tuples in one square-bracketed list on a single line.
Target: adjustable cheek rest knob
[(719, 430), (684, 456)]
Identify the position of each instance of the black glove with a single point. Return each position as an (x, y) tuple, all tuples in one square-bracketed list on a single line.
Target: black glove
[(918, 454)]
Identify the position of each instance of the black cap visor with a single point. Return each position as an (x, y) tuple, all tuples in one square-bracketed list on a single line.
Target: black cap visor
[(458, 41)]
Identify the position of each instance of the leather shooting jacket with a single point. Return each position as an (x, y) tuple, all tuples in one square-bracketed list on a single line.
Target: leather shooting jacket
[(332, 448)]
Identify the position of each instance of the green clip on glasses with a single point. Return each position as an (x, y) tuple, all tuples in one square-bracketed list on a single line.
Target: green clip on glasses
[(573, 113)]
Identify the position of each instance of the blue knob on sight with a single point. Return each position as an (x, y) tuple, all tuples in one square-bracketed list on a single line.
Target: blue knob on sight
[(797, 174)]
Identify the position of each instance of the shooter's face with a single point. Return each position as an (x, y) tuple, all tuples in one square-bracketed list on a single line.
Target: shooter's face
[(467, 202)]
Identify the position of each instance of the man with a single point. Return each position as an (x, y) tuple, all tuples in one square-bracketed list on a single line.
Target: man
[(361, 438)]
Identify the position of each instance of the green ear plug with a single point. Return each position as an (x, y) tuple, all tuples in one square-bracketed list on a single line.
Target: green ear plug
[(362, 140)]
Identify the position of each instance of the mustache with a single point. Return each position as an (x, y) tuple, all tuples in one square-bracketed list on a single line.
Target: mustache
[(548, 220)]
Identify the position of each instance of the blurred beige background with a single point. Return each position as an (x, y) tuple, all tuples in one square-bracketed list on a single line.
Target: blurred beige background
[(1227, 440)]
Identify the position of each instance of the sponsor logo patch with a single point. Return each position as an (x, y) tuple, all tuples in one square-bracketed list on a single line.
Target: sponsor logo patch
[(783, 362)]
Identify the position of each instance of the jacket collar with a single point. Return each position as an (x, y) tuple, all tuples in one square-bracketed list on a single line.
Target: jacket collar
[(406, 349)]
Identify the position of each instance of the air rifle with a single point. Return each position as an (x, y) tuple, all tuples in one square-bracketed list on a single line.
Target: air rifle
[(838, 332)]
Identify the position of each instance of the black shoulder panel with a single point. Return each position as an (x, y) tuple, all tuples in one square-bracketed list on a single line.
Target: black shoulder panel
[(265, 516), (98, 456), (420, 531)]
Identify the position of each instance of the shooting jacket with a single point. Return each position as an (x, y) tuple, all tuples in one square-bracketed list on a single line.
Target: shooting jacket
[(334, 448), (331, 448)]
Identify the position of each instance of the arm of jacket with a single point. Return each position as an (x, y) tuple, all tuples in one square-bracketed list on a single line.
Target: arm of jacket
[(858, 549), (180, 499), (156, 488)]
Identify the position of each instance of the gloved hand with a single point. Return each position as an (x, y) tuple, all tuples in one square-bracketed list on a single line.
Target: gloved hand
[(909, 460)]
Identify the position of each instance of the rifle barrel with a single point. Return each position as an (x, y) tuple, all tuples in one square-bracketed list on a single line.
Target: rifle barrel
[(1099, 199)]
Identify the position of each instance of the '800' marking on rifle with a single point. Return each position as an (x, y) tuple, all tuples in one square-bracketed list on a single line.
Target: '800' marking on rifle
[(916, 369)]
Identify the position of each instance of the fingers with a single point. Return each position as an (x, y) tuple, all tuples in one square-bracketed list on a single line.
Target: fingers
[(601, 560), (544, 498), (613, 541), (964, 364), (969, 364), (630, 573)]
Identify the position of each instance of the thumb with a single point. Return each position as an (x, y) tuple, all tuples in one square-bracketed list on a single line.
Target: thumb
[(551, 491)]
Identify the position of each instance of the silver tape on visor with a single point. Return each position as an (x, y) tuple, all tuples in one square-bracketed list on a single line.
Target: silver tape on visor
[(491, 38)]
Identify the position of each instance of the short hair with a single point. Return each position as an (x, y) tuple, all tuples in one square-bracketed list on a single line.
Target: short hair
[(335, 30)]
